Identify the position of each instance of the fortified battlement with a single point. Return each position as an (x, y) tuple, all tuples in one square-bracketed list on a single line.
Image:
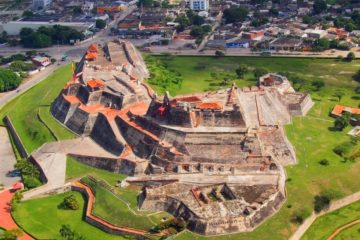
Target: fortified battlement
[(214, 159)]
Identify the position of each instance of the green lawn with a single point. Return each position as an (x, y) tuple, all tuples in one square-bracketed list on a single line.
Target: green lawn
[(76, 169), (23, 111), (350, 233), (43, 219), (320, 229), (114, 209), (196, 71)]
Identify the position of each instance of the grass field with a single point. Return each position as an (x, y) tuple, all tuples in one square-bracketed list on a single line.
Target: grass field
[(350, 233), (112, 208), (43, 219), (320, 228), (23, 111), (75, 169)]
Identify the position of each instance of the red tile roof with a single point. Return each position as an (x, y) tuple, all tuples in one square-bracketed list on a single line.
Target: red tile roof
[(209, 105), (95, 83), (339, 109)]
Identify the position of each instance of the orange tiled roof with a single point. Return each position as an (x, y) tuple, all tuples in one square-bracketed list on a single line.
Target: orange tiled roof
[(91, 56), (339, 109), (71, 99), (95, 83), (209, 105), (93, 48)]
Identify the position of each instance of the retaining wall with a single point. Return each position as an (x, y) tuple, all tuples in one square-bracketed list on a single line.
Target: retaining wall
[(17, 140)]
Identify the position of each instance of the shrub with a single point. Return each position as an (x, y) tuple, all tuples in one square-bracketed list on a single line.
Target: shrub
[(321, 202), (219, 53), (300, 216), (70, 202), (324, 162), (31, 182), (8, 80)]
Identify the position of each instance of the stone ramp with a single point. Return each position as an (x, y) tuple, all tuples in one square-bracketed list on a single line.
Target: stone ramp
[(51, 159)]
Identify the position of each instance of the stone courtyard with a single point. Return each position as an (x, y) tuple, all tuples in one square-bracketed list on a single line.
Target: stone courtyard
[(214, 159)]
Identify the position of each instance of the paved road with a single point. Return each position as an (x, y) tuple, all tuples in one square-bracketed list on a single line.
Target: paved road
[(29, 83), (7, 159)]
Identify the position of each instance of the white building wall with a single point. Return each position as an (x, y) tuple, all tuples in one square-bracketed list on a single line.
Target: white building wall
[(199, 5)]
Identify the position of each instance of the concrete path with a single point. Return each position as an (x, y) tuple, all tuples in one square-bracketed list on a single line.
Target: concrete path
[(7, 159), (6, 220), (51, 158), (335, 205)]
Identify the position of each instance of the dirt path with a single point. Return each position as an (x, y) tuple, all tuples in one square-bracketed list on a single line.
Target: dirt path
[(340, 229), (335, 205)]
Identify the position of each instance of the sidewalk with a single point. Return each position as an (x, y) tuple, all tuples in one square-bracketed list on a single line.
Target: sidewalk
[(6, 220)]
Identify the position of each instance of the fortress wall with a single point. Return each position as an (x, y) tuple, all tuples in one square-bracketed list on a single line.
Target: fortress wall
[(108, 164), (129, 100), (179, 117), (73, 89), (211, 118), (306, 105), (90, 124), (94, 98), (83, 94), (111, 100), (142, 145), (77, 120), (103, 134), (132, 168), (60, 108)]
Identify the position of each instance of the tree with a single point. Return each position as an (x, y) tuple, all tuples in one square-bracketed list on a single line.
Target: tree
[(321, 44), (27, 13), (339, 94), (242, 70), (350, 57), (20, 66), (235, 14), (324, 162), (318, 84), (8, 80), (198, 20), (145, 3), (319, 6), (70, 202), (183, 21), (258, 72), (100, 23), (41, 40), (67, 233), (321, 202), (219, 53), (77, 10), (342, 121)]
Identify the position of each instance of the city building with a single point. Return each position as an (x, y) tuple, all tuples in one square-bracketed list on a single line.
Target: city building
[(41, 4), (199, 5)]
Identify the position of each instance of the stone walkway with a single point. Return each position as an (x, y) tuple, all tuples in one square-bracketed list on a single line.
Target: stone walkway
[(335, 205), (6, 220), (51, 158), (7, 159)]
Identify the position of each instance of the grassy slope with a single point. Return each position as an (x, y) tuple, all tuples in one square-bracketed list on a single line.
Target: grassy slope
[(350, 233), (42, 218), (310, 135), (321, 230), (75, 169), (23, 111)]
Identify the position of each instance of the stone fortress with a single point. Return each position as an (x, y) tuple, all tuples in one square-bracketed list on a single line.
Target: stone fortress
[(214, 159)]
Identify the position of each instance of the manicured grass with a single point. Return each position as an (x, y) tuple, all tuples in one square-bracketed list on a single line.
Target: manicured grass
[(112, 208), (320, 229), (350, 233), (43, 219), (76, 169), (23, 111)]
